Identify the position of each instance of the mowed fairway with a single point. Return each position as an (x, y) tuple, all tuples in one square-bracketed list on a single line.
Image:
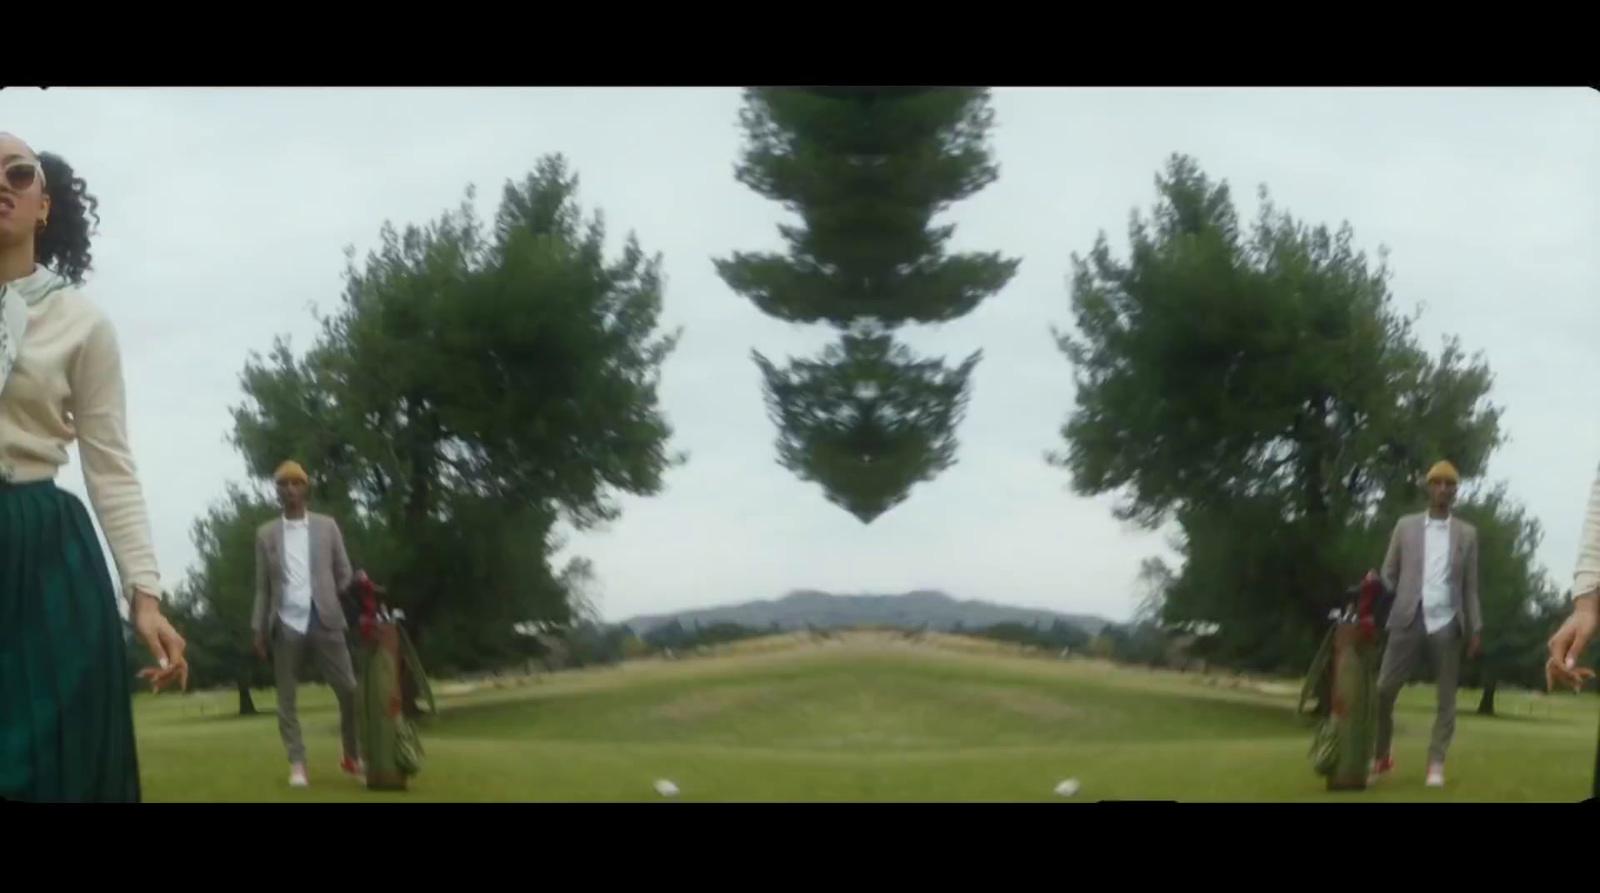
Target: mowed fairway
[(866, 718)]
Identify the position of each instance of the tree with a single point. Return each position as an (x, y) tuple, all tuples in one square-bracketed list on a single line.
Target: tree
[(868, 420), (594, 644), (1145, 645), (579, 580), (474, 388), (1235, 564), (634, 647), (1058, 636), (1260, 389), (1110, 641), (1066, 635), (866, 170), (1155, 578), (1012, 632), (670, 636), (1521, 608), (214, 602)]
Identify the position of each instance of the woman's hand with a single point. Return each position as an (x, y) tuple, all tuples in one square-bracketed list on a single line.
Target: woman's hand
[(163, 641), (1568, 644)]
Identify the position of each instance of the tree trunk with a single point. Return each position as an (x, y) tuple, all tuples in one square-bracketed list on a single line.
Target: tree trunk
[(1486, 703), (247, 705)]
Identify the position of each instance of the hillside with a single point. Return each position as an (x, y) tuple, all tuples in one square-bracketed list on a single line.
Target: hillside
[(934, 610)]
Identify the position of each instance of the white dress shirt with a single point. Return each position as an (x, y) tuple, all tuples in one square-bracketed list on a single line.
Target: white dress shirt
[(1438, 610), (295, 612)]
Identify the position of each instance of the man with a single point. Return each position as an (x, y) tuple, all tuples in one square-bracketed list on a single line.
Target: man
[(1568, 644), (1432, 568), (301, 569)]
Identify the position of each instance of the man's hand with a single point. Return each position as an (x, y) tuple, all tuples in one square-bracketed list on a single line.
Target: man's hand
[(261, 647), (1568, 645), (1474, 646), (165, 645)]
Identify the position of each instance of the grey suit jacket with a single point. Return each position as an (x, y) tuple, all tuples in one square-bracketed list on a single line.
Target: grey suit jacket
[(1403, 572), (330, 573)]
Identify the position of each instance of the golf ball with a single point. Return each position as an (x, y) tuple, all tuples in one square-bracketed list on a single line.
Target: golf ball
[(666, 788), (1068, 788)]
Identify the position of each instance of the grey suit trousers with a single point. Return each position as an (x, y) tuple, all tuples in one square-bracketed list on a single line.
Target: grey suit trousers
[(1400, 658), (332, 654)]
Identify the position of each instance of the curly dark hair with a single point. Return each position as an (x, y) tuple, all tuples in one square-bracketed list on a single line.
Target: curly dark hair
[(63, 244)]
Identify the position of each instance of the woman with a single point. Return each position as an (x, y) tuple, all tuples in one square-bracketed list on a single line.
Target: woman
[(66, 712)]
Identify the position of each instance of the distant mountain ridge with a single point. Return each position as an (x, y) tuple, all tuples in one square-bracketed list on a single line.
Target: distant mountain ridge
[(932, 609)]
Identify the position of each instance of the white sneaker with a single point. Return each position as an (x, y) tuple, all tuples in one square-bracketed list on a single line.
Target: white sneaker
[(1435, 775), (297, 776)]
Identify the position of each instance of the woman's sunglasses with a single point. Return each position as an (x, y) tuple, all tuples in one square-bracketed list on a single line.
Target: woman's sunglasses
[(21, 174)]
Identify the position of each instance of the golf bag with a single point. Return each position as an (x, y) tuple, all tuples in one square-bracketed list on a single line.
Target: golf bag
[(1346, 667), (389, 741)]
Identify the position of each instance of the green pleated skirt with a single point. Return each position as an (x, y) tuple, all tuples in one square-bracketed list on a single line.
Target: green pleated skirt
[(66, 708)]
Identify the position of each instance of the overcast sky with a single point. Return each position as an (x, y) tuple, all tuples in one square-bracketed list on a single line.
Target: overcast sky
[(225, 212)]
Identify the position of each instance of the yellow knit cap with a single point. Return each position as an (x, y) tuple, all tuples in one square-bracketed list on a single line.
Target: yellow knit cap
[(1443, 471), (290, 471)]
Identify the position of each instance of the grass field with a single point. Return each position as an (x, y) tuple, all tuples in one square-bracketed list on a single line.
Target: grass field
[(867, 718)]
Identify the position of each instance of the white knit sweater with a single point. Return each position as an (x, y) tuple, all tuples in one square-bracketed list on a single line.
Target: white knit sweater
[(1586, 579), (66, 386)]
